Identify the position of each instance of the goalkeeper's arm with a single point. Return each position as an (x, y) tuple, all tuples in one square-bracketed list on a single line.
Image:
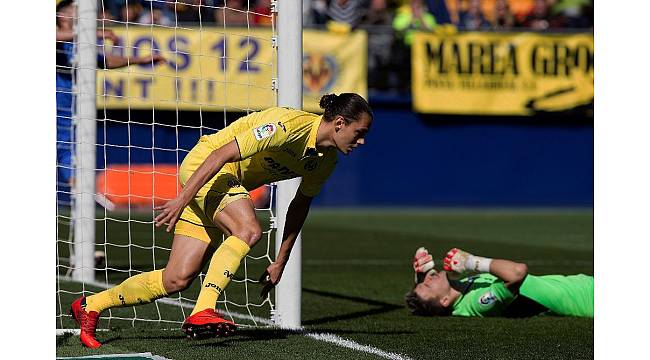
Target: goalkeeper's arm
[(512, 273)]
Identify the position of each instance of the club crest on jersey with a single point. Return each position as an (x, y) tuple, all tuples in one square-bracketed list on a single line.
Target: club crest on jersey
[(487, 299), (264, 131), (311, 164)]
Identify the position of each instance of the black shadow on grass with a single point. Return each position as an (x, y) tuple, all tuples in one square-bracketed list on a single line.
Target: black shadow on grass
[(256, 335), (118, 335), (383, 307), (247, 335)]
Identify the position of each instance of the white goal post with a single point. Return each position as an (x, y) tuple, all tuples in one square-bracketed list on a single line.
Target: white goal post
[(81, 267), (287, 292)]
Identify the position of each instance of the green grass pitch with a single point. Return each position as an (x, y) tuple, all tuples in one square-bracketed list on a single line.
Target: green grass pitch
[(356, 270)]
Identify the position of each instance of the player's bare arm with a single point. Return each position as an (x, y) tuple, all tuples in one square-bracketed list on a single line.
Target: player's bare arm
[(114, 62), (296, 215), (171, 211)]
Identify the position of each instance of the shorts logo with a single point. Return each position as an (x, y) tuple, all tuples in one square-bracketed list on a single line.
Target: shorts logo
[(264, 131), (487, 299)]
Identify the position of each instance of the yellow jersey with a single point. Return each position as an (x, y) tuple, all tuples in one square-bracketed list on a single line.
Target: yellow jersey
[(276, 144)]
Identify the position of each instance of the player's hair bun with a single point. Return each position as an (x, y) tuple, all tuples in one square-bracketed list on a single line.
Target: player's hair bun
[(327, 100)]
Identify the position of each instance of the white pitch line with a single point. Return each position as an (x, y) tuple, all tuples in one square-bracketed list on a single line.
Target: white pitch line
[(147, 355), (339, 341), (326, 337)]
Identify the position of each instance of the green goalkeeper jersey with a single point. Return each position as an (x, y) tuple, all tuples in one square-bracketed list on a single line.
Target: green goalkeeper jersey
[(486, 295)]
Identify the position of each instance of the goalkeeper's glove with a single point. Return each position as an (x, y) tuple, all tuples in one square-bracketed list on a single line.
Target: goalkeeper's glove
[(422, 264), (460, 261)]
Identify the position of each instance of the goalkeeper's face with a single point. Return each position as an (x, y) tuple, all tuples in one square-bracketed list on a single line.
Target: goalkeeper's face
[(435, 289)]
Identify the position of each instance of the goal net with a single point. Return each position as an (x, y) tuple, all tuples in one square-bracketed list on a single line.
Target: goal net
[(123, 132)]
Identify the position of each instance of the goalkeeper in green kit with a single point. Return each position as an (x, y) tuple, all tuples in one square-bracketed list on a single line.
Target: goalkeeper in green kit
[(502, 288)]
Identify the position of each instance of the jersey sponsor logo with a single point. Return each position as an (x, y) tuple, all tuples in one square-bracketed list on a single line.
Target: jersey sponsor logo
[(264, 131), (274, 167), (290, 152), (487, 299)]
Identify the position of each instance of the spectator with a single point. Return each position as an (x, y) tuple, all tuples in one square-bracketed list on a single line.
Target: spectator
[(318, 12), (112, 6), (262, 14), (193, 11), (472, 18), (412, 17), (377, 14), (155, 13), (105, 18), (349, 12), (569, 13), (409, 18), (131, 11), (233, 13), (503, 17), (66, 13), (537, 18), (439, 10)]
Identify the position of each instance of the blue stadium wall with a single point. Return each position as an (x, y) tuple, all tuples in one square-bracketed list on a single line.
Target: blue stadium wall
[(415, 160)]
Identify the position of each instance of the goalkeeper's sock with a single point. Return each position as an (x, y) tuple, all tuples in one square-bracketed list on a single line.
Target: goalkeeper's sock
[(223, 266), (139, 289), (478, 263)]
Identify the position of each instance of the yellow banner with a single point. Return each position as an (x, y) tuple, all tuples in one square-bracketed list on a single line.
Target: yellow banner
[(502, 73), (213, 69)]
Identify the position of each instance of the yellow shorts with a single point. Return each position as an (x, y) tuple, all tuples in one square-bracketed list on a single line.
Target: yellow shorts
[(220, 191)]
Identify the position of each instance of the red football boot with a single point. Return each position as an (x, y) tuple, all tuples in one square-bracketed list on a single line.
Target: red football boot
[(206, 324), (87, 323)]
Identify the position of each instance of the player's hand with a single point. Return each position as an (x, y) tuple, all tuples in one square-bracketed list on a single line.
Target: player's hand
[(422, 264), (170, 212), (155, 59), (270, 278), (108, 34), (455, 260)]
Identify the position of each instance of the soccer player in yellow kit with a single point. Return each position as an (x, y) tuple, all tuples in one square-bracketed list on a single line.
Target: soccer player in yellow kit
[(260, 148)]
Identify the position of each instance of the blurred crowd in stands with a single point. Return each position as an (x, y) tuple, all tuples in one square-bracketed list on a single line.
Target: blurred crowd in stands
[(349, 14), (389, 23)]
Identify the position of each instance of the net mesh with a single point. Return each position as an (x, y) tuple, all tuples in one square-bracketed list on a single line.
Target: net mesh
[(219, 64)]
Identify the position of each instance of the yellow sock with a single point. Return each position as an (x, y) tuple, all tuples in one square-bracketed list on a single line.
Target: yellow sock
[(139, 289), (223, 266)]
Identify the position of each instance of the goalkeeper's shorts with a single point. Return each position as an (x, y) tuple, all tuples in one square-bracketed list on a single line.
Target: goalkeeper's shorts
[(220, 191)]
